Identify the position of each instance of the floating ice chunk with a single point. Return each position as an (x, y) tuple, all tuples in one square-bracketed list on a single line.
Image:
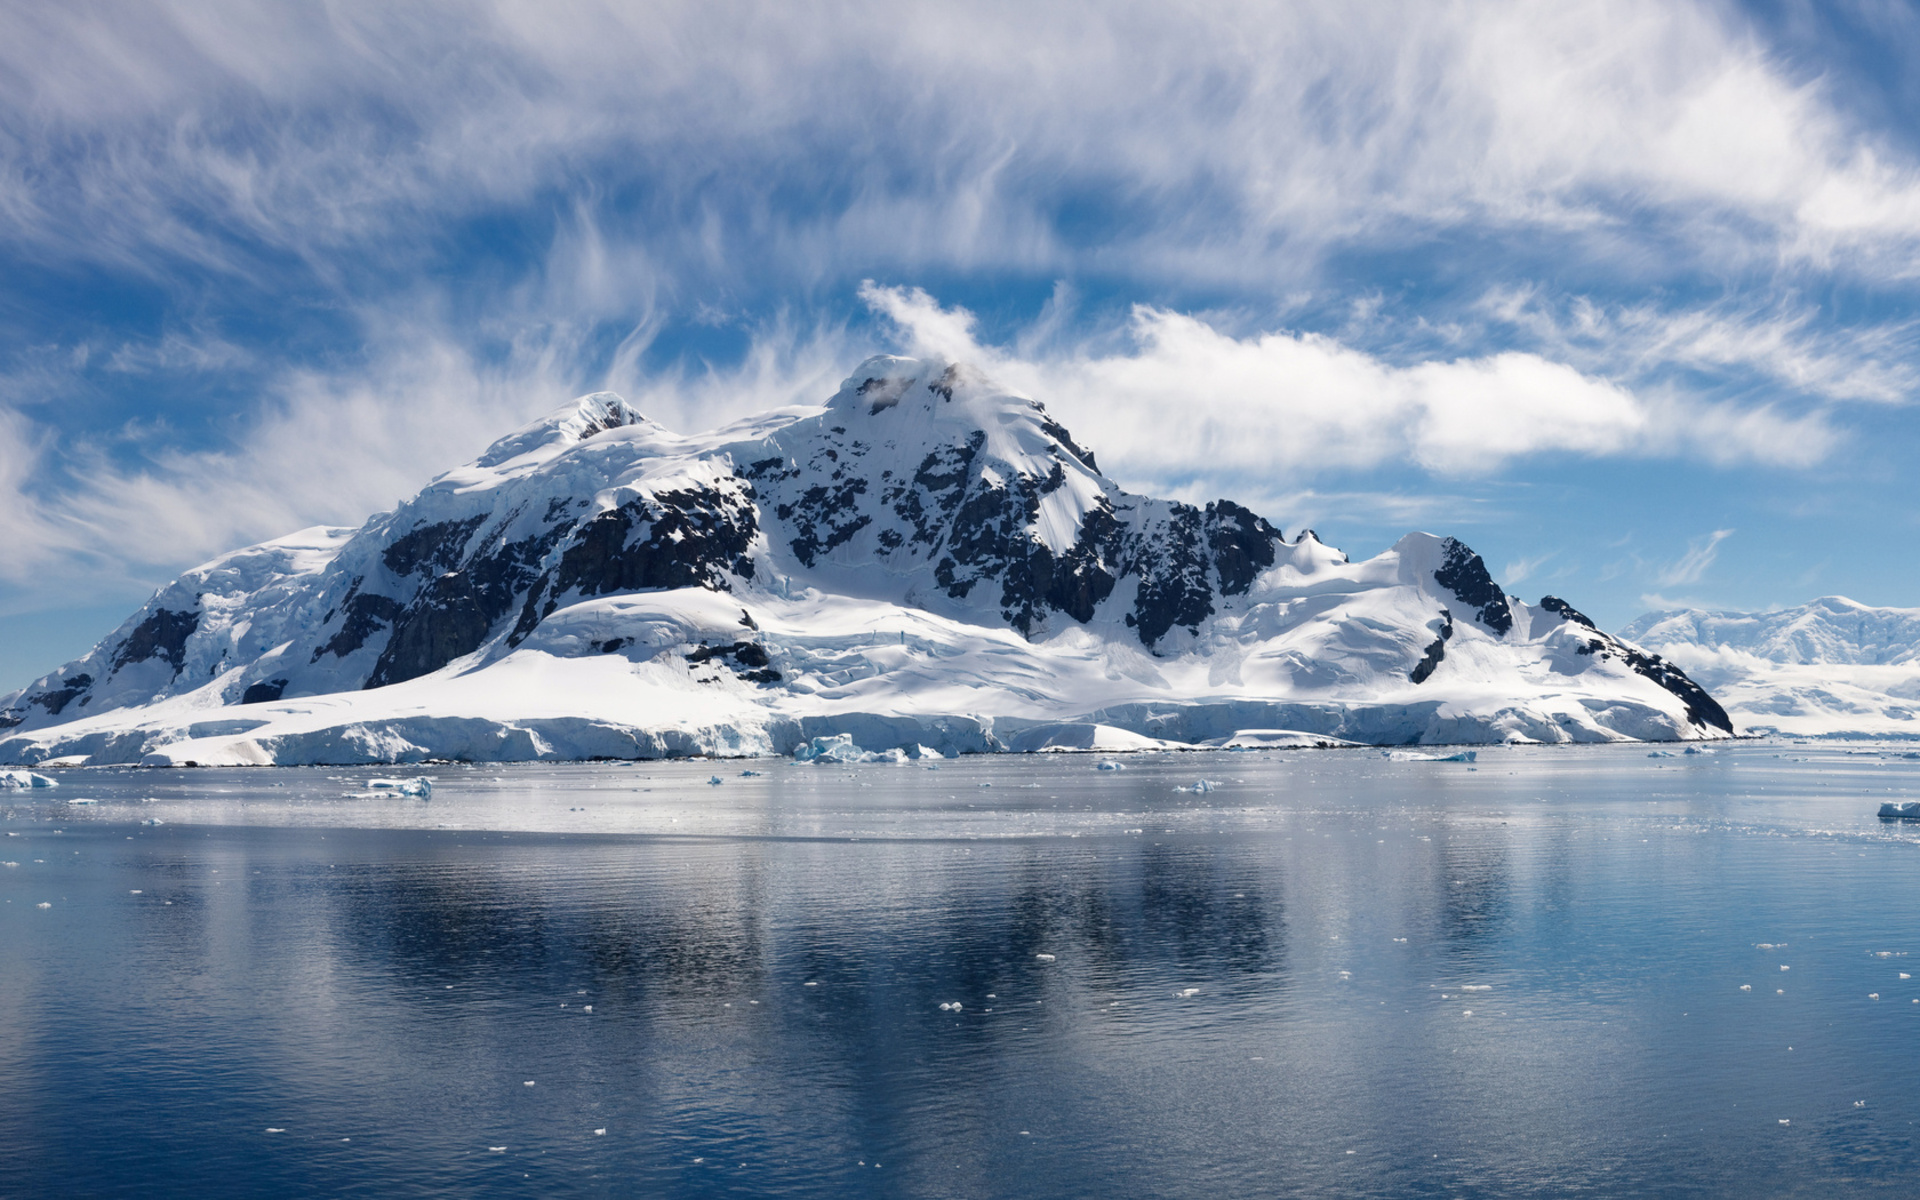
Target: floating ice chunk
[(1696, 750), (153, 821), (1785, 967), (1908, 810), (43, 904), (1476, 987), (748, 774), (272, 1129), (1201, 786), (1873, 995), (1187, 993), (1904, 975), (497, 1149), (419, 785), (1464, 756), (25, 779), (599, 1133), (1661, 754), (1107, 764), (840, 748), (1859, 1103), (1045, 957), (715, 781), (528, 1083)]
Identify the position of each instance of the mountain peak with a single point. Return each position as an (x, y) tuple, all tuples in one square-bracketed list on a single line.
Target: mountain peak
[(575, 421)]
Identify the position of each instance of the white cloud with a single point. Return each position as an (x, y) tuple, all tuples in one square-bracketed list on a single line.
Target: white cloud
[(333, 448), (1689, 567), (1187, 400), (1240, 138)]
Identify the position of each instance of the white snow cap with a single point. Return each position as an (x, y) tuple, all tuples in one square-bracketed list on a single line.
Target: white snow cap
[(572, 422)]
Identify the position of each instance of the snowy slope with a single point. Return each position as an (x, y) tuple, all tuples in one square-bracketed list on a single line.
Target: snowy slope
[(927, 559), (1833, 667)]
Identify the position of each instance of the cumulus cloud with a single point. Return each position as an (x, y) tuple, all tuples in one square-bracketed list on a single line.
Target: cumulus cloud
[(1185, 399)]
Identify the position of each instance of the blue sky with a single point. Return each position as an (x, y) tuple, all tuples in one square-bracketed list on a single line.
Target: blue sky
[(1619, 293)]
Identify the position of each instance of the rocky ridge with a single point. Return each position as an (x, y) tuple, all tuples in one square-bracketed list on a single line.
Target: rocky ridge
[(596, 584)]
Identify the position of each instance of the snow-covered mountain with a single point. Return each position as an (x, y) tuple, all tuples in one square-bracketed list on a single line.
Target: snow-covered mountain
[(1833, 667), (927, 560)]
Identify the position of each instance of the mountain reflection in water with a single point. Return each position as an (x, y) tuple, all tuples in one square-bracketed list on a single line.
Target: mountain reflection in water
[(1332, 974)]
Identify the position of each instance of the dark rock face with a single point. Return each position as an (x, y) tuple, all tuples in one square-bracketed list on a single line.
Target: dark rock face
[(438, 546), (365, 614), (1463, 574), (264, 692), (1568, 612), (69, 690), (1702, 709), (1436, 653), (672, 539), (452, 615), (750, 655), (163, 634), (1241, 543), (1174, 587)]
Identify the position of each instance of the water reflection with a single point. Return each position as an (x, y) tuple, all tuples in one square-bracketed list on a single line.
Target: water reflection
[(1332, 975)]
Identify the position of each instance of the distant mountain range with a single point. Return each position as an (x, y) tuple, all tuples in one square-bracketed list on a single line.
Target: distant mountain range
[(927, 562), (1830, 668)]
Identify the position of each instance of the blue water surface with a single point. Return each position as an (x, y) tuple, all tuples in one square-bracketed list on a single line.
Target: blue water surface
[(1552, 972)]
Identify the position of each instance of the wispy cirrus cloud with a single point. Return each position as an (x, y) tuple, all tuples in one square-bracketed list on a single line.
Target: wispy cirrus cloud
[(1691, 566)]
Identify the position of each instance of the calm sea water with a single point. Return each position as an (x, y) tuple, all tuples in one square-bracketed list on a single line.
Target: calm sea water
[(1559, 972)]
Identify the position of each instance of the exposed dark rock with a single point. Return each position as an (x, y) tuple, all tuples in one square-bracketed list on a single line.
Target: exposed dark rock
[(939, 485), (751, 655), (673, 539), (438, 547), (452, 615), (1702, 709), (1423, 670), (1242, 545), (1567, 612), (827, 516), (163, 634), (1463, 574), (264, 692), (1173, 577), (1058, 433), (612, 645), (58, 698), (364, 614)]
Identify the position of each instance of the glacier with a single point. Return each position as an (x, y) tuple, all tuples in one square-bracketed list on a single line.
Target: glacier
[(1830, 668), (927, 564)]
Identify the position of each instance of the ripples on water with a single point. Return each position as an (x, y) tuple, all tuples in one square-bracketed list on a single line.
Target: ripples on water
[(1333, 974)]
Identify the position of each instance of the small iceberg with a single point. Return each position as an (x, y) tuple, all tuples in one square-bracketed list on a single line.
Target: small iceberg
[(715, 781), (419, 785), (1107, 764), (1900, 810), (25, 779), (1201, 786), (1464, 756), (841, 748)]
